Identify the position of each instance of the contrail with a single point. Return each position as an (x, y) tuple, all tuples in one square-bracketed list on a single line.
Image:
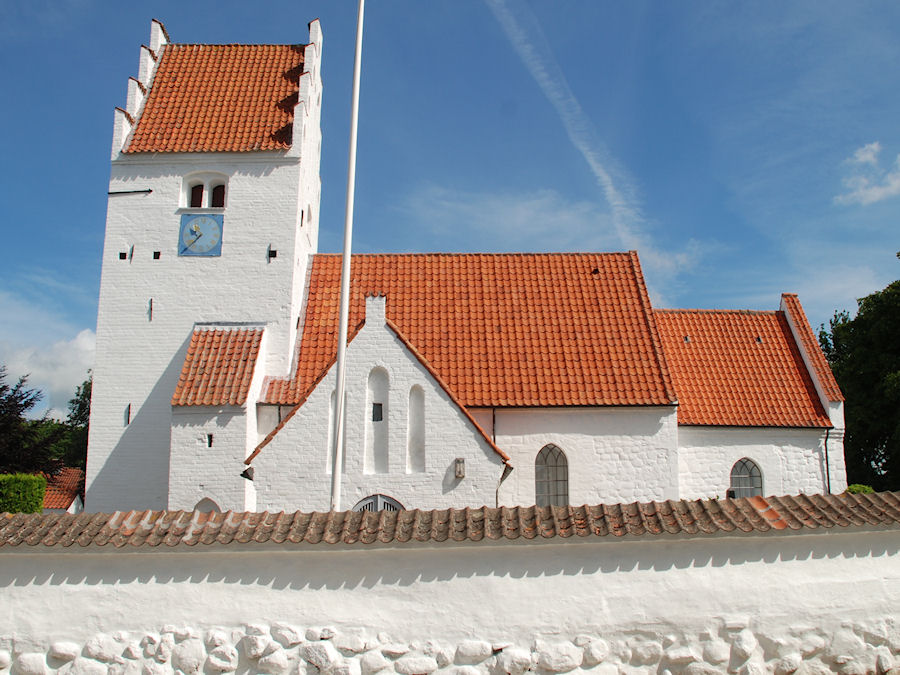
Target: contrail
[(535, 53)]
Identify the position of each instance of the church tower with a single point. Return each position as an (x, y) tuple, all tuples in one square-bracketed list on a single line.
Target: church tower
[(211, 224)]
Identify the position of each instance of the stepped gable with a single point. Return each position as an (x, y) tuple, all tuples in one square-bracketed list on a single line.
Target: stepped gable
[(738, 368), (745, 516), (560, 329), (218, 367), (220, 98)]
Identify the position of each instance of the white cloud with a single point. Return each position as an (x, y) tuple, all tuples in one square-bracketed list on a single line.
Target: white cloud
[(54, 354), (868, 182)]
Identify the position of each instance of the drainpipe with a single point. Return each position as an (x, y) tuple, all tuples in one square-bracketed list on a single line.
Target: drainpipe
[(507, 469), (827, 465)]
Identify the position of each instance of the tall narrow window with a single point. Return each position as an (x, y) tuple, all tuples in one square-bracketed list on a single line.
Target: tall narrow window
[(218, 196), (415, 433), (746, 479), (197, 196), (376, 453), (551, 477)]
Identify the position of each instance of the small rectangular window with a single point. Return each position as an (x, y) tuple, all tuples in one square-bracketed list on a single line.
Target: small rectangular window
[(156, 255), (209, 440), (123, 255), (377, 412), (272, 253), (218, 196), (197, 196)]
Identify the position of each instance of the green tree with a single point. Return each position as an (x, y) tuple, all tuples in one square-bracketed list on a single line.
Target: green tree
[(864, 353), (26, 446), (74, 449)]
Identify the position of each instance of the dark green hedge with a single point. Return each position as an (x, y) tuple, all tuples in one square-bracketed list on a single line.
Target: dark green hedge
[(859, 489), (22, 493)]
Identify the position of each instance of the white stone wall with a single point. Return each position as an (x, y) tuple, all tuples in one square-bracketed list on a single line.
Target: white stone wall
[(791, 461), (294, 470), (138, 359), (823, 602), (614, 454)]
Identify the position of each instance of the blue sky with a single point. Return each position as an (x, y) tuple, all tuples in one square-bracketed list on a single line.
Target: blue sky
[(744, 149)]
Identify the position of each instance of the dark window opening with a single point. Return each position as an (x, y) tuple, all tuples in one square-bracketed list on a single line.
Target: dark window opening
[(551, 477), (156, 255), (377, 412), (123, 255), (218, 196), (209, 440), (197, 196), (272, 253)]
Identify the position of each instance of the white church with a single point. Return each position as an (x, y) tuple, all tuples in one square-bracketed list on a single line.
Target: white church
[(472, 379)]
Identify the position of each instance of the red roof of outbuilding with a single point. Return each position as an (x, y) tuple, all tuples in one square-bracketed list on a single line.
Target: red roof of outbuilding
[(738, 368), (63, 488), (218, 368), (560, 329), (220, 98)]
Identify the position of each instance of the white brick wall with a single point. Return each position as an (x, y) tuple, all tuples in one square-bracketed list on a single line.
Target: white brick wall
[(293, 472), (138, 360)]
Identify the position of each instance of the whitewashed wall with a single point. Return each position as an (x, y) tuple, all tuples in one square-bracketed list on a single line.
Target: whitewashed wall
[(614, 454), (750, 604), (293, 470), (792, 461), (138, 360)]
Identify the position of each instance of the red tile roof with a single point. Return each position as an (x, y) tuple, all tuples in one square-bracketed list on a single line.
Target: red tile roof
[(218, 367), (501, 329), (738, 368), (811, 345), (220, 98), (63, 488), (752, 516)]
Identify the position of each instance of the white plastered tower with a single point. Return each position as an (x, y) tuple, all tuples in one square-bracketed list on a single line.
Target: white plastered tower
[(152, 295)]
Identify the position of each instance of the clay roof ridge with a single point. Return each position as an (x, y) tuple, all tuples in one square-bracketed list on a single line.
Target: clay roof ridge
[(415, 352), (238, 44), (303, 398), (668, 387), (670, 310)]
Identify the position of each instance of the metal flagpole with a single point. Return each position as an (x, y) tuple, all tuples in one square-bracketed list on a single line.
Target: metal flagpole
[(338, 435)]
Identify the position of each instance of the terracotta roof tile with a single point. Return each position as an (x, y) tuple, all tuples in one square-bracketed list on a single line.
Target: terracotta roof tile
[(811, 345), (753, 515), (220, 98), (738, 368), (501, 329), (63, 488), (218, 367)]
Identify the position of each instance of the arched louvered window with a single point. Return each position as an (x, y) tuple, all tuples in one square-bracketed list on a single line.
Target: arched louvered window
[(378, 503), (746, 479), (551, 477)]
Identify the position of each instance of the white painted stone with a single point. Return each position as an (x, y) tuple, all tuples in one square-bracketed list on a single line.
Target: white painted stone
[(682, 655), (84, 666), (287, 635), (256, 629), (133, 651), (256, 645), (595, 651), (845, 647), (466, 670), (415, 664), (165, 648), (647, 652), (157, 668), (5, 659), (352, 643), (884, 659), (320, 633), (514, 660), (32, 663), (605, 669), (716, 651), (743, 646), (348, 667), (853, 667), (216, 637), (373, 662), (274, 662), (222, 659), (395, 649), (788, 664), (470, 652), (64, 651), (697, 668), (102, 647), (558, 657), (189, 656), (321, 654), (811, 643), (442, 653)]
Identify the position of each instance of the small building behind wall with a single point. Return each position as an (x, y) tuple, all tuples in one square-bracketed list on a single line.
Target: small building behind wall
[(805, 584)]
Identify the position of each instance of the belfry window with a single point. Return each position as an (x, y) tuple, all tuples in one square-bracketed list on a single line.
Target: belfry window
[(218, 197), (551, 477), (197, 196), (746, 479), (205, 190)]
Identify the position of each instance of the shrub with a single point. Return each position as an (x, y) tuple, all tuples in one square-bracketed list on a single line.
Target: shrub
[(860, 489), (22, 493)]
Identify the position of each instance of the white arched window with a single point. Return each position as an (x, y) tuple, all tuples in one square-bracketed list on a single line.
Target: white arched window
[(746, 479), (551, 477), (204, 190), (376, 455), (378, 503)]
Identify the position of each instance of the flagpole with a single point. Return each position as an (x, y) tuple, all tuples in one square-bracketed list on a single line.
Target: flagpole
[(338, 435)]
